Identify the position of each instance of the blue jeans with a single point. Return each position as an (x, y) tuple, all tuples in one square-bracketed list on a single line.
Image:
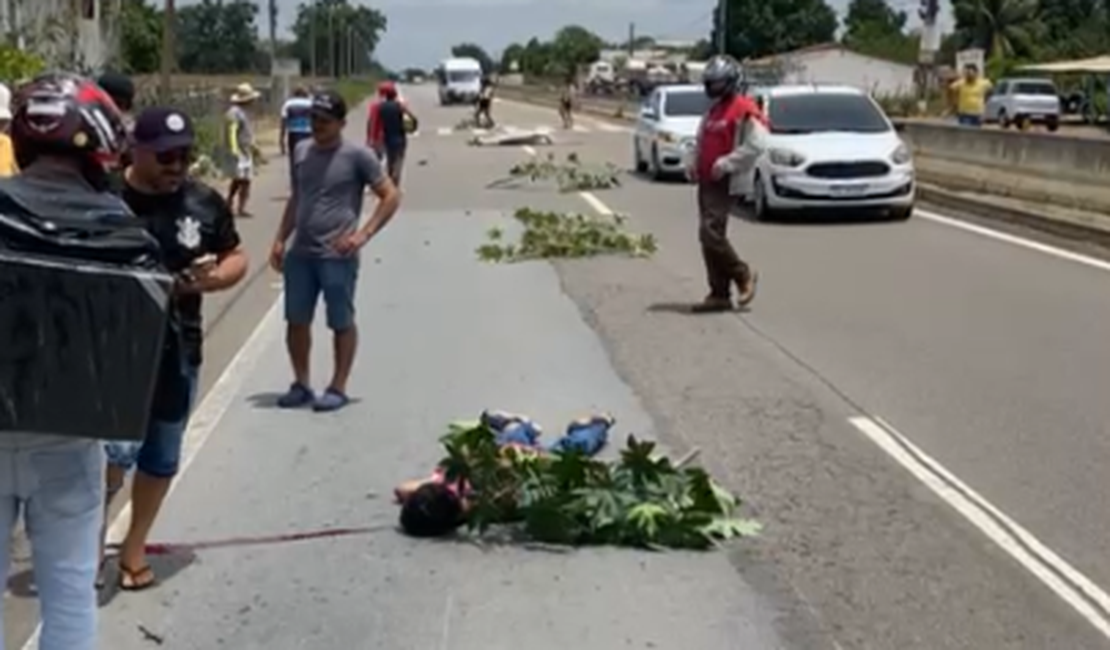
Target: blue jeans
[(306, 277), (965, 119), (159, 454), (57, 484)]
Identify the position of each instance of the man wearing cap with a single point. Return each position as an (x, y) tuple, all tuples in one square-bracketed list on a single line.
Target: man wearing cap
[(240, 142), (198, 237), (322, 217)]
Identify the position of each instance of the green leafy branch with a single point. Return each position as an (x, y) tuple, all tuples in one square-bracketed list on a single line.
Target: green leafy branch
[(641, 500), (570, 176), (556, 235)]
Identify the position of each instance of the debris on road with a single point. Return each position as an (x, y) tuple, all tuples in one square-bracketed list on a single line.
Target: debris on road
[(570, 176), (549, 235), (511, 138), (641, 500)]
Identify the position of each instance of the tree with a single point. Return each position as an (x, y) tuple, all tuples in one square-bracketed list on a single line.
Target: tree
[(474, 51), (757, 28), (575, 46), (514, 53), (535, 60), (1002, 28), (214, 36), (1073, 29), (875, 28), (140, 37), (331, 29)]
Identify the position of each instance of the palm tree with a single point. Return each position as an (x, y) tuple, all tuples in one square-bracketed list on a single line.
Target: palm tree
[(1002, 28)]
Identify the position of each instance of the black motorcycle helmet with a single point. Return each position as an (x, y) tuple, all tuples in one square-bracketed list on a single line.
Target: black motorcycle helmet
[(721, 77)]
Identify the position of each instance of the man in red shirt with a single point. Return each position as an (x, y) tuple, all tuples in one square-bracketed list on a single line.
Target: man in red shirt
[(375, 135), (716, 157)]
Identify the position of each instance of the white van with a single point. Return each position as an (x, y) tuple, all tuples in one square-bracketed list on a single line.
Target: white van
[(460, 80)]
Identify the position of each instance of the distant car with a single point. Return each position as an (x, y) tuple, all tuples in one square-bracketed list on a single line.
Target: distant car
[(1024, 101), (829, 148), (667, 129)]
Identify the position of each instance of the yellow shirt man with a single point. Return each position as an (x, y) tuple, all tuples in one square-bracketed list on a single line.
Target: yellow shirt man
[(971, 92), (7, 157)]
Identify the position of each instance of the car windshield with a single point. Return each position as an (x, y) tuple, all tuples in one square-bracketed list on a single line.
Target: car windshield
[(456, 76), (685, 104), (824, 112), (1034, 88)]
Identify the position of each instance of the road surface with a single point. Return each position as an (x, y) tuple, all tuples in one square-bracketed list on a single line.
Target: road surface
[(874, 354)]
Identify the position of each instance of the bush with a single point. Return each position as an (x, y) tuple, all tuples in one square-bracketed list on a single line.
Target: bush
[(17, 65), (354, 90)]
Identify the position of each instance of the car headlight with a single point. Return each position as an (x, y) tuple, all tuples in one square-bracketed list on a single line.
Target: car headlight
[(666, 137), (901, 155), (786, 158)]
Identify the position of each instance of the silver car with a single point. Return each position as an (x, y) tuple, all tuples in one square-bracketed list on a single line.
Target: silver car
[(1024, 101), (667, 129)]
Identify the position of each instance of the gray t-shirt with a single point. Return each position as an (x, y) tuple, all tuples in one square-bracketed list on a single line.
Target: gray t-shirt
[(243, 134), (330, 184)]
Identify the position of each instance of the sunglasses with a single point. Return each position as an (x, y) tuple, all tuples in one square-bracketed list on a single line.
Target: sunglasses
[(174, 156)]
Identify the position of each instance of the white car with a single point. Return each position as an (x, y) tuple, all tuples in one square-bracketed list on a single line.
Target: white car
[(667, 129), (1018, 101), (828, 148)]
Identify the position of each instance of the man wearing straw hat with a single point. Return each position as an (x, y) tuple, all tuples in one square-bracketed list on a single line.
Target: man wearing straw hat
[(240, 142)]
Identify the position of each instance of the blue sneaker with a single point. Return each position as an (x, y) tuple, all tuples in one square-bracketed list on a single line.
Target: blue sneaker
[(331, 400), (297, 396)]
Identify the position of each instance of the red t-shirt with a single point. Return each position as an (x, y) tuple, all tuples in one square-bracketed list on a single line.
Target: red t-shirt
[(718, 131), (374, 132)]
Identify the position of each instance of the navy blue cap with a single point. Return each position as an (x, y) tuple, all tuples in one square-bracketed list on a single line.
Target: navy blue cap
[(162, 128), (330, 104)]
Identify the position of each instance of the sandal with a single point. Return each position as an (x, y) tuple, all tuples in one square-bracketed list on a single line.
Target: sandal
[(100, 578), (136, 579)]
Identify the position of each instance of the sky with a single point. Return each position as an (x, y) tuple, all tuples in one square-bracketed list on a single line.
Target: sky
[(421, 32)]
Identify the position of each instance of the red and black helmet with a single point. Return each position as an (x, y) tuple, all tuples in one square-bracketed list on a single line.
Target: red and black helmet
[(58, 113)]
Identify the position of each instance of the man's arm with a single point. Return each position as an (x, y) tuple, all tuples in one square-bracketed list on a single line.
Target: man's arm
[(223, 241), (389, 199), (748, 144)]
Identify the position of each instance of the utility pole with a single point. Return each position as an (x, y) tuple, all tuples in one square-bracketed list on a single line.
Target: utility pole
[(722, 27), (169, 23), (332, 62), (273, 29), (312, 37), (930, 43), (631, 41)]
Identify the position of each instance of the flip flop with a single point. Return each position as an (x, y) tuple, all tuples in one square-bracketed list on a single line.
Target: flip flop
[(131, 579)]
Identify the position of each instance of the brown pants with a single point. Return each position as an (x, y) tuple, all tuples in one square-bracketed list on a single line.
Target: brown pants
[(722, 265)]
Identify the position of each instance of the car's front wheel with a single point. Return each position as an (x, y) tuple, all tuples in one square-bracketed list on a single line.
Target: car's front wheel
[(637, 158), (761, 211)]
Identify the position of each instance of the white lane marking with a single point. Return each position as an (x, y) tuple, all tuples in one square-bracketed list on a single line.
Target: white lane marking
[(596, 204), (1014, 240), (443, 130), (528, 149), (207, 416), (578, 128), (1075, 589), (612, 128)]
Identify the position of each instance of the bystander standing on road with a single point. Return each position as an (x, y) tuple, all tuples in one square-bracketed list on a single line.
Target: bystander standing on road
[(396, 119), (7, 152), (240, 142), (483, 113), (970, 96), (67, 135), (196, 231), (296, 123), (715, 159), (374, 135), (322, 217)]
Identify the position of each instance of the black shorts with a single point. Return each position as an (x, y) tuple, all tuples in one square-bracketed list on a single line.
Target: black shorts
[(565, 104), (484, 104)]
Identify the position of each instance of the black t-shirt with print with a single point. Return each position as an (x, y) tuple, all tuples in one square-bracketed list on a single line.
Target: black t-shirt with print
[(190, 223)]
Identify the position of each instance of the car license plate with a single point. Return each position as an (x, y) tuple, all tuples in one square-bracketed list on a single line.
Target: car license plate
[(849, 189)]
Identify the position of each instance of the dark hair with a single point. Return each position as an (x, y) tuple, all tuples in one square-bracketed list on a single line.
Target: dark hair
[(433, 510), (300, 91), (120, 88)]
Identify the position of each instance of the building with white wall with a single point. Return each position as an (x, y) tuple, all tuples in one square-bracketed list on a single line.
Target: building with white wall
[(833, 63), (74, 34)]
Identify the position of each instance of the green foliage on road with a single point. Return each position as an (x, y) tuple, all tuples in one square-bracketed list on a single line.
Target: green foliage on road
[(570, 176), (555, 235), (641, 500)]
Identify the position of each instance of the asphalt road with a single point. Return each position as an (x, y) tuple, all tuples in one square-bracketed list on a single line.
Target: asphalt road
[(985, 354)]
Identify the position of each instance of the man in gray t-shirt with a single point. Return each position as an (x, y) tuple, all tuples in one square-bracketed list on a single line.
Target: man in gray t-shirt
[(330, 176)]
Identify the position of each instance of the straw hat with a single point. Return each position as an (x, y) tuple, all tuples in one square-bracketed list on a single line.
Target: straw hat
[(244, 93)]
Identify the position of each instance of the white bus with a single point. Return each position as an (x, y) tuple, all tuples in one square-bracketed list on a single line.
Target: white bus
[(460, 80)]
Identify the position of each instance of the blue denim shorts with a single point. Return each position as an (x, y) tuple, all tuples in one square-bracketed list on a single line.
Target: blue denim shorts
[(307, 277), (159, 454)]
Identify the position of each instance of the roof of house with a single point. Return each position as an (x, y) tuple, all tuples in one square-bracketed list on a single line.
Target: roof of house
[(816, 49)]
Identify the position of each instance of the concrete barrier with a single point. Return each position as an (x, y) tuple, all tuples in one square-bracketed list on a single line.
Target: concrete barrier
[(1076, 159)]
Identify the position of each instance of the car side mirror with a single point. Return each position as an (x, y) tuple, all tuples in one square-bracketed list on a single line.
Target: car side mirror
[(648, 113)]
